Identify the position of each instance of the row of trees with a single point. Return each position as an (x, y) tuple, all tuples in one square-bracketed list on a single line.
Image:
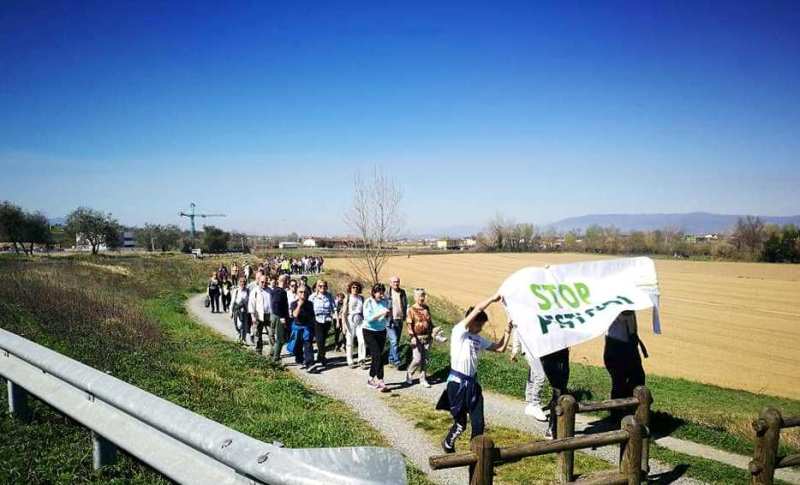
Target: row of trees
[(749, 240), (23, 229)]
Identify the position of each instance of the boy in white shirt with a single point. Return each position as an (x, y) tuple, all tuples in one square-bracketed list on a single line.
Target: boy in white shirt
[(463, 395)]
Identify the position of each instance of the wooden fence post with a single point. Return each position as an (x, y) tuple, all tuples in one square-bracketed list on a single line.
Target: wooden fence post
[(631, 464), (565, 428), (767, 428), (642, 393), (482, 473)]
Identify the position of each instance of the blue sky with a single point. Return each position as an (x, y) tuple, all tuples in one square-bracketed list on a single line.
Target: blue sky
[(265, 110)]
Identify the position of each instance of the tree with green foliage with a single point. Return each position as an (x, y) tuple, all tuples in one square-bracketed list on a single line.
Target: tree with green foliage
[(215, 240), (20, 227), (782, 246), (94, 227), (156, 237)]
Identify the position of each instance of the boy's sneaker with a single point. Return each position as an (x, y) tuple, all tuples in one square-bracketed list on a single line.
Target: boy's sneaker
[(447, 449), (424, 382), (535, 410)]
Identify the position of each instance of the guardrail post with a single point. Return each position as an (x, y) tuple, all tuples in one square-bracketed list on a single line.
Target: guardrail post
[(631, 464), (18, 404), (767, 428), (642, 393), (482, 473), (565, 428), (104, 452)]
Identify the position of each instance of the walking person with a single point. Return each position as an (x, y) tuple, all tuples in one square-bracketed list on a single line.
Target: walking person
[(621, 357), (302, 312), (398, 317), (324, 312), (239, 302), (556, 369), (420, 331), (377, 312), (227, 287), (213, 292), (464, 395), (279, 316), (353, 316), (338, 323), (259, 307), (536, 378)]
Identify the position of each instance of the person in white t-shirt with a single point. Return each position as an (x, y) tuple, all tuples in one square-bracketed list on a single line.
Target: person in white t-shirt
[(463, 395)]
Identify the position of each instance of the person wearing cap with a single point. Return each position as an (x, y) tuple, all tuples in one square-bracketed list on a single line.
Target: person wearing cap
[(463, 396)]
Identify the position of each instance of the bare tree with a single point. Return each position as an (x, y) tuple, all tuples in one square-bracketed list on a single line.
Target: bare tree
[(375, 218), (748, 235)]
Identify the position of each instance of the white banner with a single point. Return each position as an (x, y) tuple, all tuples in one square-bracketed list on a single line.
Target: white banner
[(559, 306)]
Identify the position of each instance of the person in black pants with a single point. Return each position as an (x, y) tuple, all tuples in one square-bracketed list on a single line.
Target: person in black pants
[(556, 368), (227, 288), (621, 357), (213, 292)]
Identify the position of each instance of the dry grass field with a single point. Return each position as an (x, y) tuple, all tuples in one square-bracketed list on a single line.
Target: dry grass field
[(734, 325)]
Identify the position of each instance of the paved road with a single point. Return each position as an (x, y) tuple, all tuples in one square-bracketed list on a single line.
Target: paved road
[(349, 386)]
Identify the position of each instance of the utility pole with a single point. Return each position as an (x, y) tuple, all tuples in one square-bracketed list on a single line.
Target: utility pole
[(191, 215)]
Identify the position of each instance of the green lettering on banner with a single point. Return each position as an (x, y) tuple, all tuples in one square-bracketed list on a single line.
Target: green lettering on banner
[(544, 321), (544, 304), (568, 296), (552, 290), (583, 292)]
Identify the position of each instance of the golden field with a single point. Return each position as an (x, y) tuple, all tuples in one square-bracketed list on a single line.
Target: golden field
[(734, 325)]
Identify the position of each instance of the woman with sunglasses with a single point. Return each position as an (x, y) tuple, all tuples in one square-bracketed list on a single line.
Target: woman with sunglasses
[(377, 310), (353, 317)]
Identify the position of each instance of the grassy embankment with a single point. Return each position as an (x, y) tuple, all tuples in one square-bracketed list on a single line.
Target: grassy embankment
[(683, 409), (125, 315)]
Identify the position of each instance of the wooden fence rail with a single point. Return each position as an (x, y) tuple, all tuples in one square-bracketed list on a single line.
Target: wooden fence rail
[(765, 456), (567, 408), (485, 456)]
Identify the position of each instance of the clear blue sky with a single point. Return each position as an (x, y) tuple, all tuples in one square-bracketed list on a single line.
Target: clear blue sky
[(538, 111)]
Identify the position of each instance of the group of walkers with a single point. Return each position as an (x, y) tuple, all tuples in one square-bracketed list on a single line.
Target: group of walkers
[(292, 313), (282, 311)]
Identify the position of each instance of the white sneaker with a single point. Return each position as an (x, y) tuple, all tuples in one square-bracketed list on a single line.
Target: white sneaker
[(424, 382), (535, 410)]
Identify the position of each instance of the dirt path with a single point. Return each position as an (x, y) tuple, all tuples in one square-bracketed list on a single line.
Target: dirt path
[(349, 386)]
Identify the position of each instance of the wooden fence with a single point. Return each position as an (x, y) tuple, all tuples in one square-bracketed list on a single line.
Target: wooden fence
[(765, 456), (567, 408), (485, 456)]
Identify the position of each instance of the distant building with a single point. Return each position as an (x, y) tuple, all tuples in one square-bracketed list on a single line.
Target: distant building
[(469, 242), (128, 240), (288, 245), (309, 243), (448, 244)]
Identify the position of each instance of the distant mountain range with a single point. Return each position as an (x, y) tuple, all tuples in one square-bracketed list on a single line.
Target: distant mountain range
[(690, 223)]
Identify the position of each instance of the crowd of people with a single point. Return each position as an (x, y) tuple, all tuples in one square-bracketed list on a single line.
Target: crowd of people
[(270, 307)]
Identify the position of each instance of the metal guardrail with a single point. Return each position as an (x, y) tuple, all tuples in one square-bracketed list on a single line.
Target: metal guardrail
[(180, 444)]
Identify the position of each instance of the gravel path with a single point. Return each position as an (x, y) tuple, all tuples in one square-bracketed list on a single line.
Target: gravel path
[(349, 386)]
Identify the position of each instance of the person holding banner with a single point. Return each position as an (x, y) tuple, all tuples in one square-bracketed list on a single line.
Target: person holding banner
[(621, 356), (535, 382), (463, 395)]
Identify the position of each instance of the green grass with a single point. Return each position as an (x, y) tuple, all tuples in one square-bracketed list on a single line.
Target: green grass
[(539, 469), (702, 413), (134, 325)]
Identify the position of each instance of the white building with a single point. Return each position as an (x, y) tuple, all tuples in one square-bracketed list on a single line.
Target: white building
[(309, 243), (288, 245)]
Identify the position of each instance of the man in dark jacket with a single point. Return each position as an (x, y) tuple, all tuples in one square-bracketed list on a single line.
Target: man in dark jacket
[(398, 317), (279, 316)]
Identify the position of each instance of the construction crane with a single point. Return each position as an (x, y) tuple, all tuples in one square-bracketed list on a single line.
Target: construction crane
[(191, 215)]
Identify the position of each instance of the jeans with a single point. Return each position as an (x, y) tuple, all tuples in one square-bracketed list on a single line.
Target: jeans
[(556, 368), (214, 295), (242, 323), (278, 336), (393, 331), (321, 335), (375, 343), (303, 351)]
